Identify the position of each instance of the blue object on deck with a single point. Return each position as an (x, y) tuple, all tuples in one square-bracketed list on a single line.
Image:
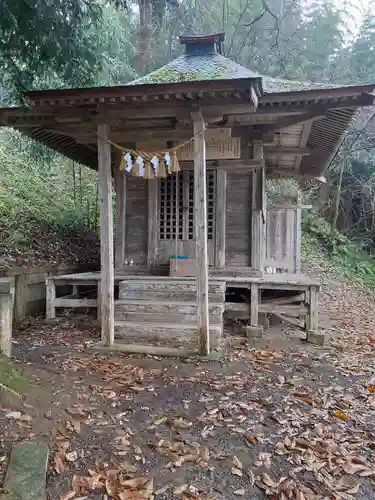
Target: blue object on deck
[(179, 257)]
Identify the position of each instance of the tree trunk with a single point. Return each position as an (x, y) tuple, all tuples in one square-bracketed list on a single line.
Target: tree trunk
[(142, 59), (338, 198)]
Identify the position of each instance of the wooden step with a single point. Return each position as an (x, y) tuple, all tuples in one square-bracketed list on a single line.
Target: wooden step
[(169, 285), (159, 317), (165, 334), (168, 295), (173, 306), (165, 312)]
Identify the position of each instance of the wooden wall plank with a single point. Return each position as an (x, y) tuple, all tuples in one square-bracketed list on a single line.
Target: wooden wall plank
[(238, 218), (259, 209), (258, 222), (136, 220), (283, 248), (221, 207), (120, 243), (153, 222), (297, 240), (106, 236)]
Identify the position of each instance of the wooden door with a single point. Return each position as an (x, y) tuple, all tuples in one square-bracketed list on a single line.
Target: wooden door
[(176, 233)]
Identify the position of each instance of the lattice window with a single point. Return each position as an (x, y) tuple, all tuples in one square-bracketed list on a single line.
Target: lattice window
[(179, 205)]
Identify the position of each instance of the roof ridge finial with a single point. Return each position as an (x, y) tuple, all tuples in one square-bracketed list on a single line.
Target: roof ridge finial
[(214, 40)]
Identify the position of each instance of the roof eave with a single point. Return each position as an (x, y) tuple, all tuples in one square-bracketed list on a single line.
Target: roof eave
[(313, 93), (145, 89)]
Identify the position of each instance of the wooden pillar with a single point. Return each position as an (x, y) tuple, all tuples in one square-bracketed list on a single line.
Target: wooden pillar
[(221, 213), (6, 310), (50, 298), (312, 322), (106, 237), (254, 304), (21, 288), (259, 210), (200, 220), (120, 242)]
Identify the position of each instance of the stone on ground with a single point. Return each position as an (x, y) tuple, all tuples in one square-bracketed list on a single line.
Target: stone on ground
[(316, 338), (26, 474), (254, 332)]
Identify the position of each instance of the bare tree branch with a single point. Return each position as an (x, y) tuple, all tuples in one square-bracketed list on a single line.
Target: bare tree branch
[(266, 7)]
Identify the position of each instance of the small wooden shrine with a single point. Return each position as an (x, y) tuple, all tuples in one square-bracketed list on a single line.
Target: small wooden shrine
[(189, 147)]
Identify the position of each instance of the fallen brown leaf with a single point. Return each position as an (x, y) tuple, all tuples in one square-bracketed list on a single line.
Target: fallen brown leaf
[(347, 484), (59, 463), (250, 438), (352, 468), (237, 472), (68, 496), (268, 481), (251, 476), (237, 463), (264, 460), (342, 416)]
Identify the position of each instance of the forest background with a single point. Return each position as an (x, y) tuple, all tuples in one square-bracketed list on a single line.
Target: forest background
[(78, 43)]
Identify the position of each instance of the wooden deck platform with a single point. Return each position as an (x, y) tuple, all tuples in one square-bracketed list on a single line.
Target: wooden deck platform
[(299, 309)]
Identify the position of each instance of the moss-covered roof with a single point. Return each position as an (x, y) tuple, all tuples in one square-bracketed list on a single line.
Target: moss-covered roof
[(214, 66), (199, 67)]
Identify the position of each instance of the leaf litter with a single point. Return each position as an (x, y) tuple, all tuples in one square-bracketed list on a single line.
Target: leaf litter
[(291, 423)]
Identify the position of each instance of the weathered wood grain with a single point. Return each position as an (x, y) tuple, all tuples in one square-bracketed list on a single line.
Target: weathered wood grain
[(153, 222), (136, 220), (254, 304), (120, 235), (200, 206), (106, 236), (165, 334), (238, 217), (221, 209), (50, 298)]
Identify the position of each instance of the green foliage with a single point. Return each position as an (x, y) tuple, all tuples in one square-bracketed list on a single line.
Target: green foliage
[(346, 256), (47, 43), (54, 196)]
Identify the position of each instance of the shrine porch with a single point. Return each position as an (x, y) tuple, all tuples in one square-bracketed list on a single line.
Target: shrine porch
[(152, 309)]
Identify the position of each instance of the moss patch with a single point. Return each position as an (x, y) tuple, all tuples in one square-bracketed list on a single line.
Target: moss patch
[(11, 378)]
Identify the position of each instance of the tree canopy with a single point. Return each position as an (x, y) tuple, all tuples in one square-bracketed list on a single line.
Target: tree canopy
[(59, 43)]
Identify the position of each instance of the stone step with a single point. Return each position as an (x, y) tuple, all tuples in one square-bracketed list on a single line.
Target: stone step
[(26, 475), (165, 334)]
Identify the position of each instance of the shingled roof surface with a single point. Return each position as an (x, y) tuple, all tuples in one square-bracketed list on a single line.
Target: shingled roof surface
[(214, 66)]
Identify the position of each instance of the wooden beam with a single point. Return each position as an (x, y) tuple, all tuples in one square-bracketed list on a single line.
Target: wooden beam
[(200, 220), (289, 121), (106, 237), (120, 235), (221, 209), (315, 112), (285, 150), (238, 164)]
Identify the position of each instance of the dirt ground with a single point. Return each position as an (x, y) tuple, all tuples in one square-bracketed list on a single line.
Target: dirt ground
[(278, 418)]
